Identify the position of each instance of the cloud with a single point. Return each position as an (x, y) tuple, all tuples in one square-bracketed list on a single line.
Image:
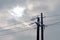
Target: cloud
[(6, 37), (33, 7)]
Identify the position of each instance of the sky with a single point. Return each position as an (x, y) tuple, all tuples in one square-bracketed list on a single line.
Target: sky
[(16, 15)]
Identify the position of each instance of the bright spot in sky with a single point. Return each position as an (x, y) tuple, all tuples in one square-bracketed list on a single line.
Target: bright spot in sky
[(17, 11)]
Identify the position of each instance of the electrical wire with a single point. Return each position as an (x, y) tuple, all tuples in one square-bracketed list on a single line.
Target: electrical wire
[(20, 23), (33, 23), (53, 24), (26, 29), (30, 29), (18, 31)]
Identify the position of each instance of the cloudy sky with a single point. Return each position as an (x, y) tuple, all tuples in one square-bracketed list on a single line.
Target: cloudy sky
[(16, 15)]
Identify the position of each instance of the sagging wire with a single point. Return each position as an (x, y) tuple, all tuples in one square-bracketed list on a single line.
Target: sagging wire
[(18, 31), (30, 29)]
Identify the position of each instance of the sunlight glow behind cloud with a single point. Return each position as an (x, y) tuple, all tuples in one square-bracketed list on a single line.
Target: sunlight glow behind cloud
[(11, 14), (17, 11)]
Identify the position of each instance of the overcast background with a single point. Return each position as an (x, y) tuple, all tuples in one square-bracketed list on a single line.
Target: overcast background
[(10, 31)]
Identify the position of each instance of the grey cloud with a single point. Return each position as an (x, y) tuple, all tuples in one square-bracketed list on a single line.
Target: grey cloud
[(4, 4), (16, 35), (49, 7)]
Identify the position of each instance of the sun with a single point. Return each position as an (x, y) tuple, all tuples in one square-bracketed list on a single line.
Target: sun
[(17, 11)]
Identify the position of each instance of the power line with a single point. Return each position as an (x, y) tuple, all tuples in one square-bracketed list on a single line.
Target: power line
[(20, 23), (53, 24), (29, 28), (46, 25), (18, 31)]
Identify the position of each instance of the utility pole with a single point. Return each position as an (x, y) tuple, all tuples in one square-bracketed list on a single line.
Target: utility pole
[(42, 30), (39, 25)]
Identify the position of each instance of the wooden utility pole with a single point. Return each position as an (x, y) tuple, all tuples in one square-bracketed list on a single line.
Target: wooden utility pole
[(40, 24), (42, 30)]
